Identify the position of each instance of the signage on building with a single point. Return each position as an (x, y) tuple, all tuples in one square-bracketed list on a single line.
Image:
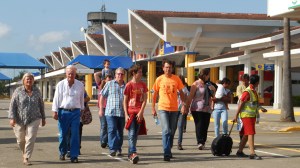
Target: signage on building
[(269, 67), (259, 67), (294, 4), (168, 48)]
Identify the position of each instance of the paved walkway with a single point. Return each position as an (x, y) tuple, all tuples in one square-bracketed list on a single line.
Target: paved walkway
[(276, 148)]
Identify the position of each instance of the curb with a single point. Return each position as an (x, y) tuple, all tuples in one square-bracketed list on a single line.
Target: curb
[(288, 129)]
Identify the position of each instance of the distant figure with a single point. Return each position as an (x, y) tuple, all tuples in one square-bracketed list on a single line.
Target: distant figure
[(248, 110), (166, 86), (67, 102), (26, 111), (241, 88), (106, 70), (181, 115)]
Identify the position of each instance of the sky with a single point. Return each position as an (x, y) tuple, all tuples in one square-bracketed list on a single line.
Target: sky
[(39, 27)]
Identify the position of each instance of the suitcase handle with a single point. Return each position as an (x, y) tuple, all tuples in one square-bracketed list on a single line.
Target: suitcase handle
[(231, 128)]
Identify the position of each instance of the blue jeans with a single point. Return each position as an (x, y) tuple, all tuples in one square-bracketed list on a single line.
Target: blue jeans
[(115, 132), (169, 124), (180, 125), (220, 114), (133, 136), (103, 130), (69, 121)]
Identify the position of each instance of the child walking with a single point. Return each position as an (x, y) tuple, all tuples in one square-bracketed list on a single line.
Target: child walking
[(135, 98)]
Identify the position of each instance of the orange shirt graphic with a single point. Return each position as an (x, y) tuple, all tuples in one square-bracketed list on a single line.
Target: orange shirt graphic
[(167, 88)]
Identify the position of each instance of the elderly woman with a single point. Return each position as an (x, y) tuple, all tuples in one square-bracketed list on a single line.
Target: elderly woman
[(25, 113)]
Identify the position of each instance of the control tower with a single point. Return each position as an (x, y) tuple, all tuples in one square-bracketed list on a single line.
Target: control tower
[(95, 20)]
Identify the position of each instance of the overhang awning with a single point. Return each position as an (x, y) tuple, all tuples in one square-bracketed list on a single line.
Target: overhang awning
[(96, 62), (3, 77), (19, 61)]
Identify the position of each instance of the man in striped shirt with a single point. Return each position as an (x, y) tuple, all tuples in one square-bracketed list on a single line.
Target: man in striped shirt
[(114, 113)]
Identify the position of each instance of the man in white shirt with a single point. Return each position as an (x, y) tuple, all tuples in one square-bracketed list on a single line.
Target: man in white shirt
[(68, 101)]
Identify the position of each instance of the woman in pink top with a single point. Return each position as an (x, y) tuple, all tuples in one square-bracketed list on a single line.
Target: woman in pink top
[(199, 103)]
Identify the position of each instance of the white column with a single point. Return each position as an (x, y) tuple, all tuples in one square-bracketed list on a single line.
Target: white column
[(277, 84), (50, 91), (247, 67), (45, 90), (40, 85), (222, 72)]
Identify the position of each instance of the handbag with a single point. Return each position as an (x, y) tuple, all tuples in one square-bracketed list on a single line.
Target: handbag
[(86, 116)]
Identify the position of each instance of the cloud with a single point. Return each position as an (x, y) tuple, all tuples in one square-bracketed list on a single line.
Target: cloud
[(4, 29), (52, 37)]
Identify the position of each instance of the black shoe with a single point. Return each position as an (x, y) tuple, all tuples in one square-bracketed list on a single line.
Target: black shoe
[(167, 158), (179, 147), (103, 145), (62, 157), (241, 154), (74, 160), (68, 154), (255, 157), (113, 153)]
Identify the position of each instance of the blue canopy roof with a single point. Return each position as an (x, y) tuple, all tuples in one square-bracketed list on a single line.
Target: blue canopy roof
[(96, 62), (19, 61), (3, 77)]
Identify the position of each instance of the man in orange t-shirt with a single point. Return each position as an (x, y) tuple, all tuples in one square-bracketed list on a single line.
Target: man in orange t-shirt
[(166, 86)]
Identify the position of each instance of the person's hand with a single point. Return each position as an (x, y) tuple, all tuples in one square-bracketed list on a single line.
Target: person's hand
[(126, 118), (55, 116), (214, 99), (12, 122), (43, 122), (140, 116), (101, 113), (234, 120), (154, 113)]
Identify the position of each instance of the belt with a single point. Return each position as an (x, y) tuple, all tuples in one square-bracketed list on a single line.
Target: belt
[(69, 109)]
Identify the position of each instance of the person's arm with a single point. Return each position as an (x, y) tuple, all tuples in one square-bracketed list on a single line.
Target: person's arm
[(125, 107), (183, 101), (42, 109), (154, 97), (140, 115), (86, 97), (240, 105), (97, 77), (191, 96), (13, 109), (55, 103)]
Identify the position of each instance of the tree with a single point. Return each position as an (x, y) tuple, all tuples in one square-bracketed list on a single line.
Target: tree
[(287, 110)]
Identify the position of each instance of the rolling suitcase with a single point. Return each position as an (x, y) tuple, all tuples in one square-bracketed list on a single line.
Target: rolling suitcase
[(222, 144)]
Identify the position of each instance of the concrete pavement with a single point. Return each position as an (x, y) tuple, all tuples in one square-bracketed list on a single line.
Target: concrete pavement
[(276, 148)]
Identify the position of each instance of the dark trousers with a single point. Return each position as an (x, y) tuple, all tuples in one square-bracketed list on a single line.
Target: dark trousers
[(201, 120)]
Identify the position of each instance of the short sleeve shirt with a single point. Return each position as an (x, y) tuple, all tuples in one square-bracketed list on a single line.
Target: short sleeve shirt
[(135, 93), (167, 88)]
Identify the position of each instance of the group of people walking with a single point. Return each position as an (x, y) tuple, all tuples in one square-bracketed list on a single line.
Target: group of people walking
[(121, 105)]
